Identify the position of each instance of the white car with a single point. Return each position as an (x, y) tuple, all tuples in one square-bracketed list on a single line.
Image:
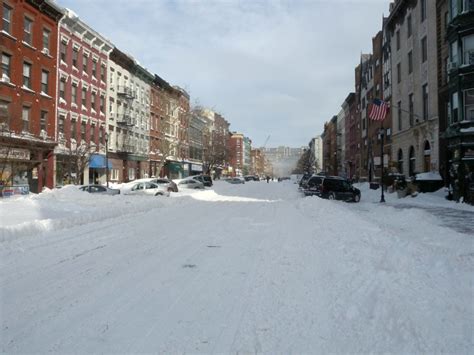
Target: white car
[(189, 183), (148, 188)]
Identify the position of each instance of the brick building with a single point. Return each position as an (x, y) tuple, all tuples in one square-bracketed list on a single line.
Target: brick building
[(28, 46), (82, 102)]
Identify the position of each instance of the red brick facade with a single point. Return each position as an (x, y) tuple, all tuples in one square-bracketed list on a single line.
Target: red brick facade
[(28, 93)]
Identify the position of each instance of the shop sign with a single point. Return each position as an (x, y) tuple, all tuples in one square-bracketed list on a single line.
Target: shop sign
[(14, 153), (195, 167)]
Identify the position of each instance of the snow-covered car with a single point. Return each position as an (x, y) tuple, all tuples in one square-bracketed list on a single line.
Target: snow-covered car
[(99, 189), (236, 180), (189, 183), (205, 179), (148, 188)]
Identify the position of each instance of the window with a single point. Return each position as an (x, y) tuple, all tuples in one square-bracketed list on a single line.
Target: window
[(398, 40), (44, 81), (83, 131), (7, 18), (62, 88), (4, 112), (410, 62), (73, 129), (26, 118), (469, 105), (409, 29), (410, 108), (399, 73), (400, 161), (27, 75), (468, 50), (93, 102), (453, 51), (63, 51), (102, 104), (46, 35), (6, 67), (61, 124), (75, 55), (94, 68), (43, 120), (454, 8), (423, 10), (412, 162), (85, 58), (424, 50), (425, 101), (399, 115), (27, 29), (92, 139), (455, 107), (84, 97), (74, 93), (102, 73)]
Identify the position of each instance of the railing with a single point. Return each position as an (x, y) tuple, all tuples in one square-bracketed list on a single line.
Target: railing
[(126, 91), (126, 148), (125, 119)]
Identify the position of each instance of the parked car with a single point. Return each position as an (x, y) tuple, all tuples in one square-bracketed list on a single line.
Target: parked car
[(236, 180), (205, 179), (189, 183), (251, 178), (99, 189), (313, 186), (169, 184), (148, 188), (332, 188), (304, 180)]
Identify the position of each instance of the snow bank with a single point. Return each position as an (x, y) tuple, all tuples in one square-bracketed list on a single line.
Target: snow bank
[(429, 176)]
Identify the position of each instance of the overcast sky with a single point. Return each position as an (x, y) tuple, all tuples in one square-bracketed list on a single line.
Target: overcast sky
[(279, 68)]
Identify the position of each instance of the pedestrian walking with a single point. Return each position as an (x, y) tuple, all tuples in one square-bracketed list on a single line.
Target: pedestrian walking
[(268, 179)]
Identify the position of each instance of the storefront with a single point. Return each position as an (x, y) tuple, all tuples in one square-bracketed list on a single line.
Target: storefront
[(97, 169), (25, 170), (173, 169)]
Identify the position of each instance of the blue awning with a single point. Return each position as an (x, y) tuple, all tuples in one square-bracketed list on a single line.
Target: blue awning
[(97, 161)]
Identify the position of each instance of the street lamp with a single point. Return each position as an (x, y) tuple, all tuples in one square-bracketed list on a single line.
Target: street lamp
[(381, 132), (107, 158)]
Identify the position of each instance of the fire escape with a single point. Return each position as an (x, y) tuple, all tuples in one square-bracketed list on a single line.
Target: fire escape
[(126, 120)]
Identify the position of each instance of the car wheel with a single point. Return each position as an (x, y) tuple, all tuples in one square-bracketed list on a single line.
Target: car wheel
[(356, 198), (332, 196), (159, 194)]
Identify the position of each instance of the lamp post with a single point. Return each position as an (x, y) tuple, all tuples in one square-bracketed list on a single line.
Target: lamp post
[(381, 132), (107, 158)]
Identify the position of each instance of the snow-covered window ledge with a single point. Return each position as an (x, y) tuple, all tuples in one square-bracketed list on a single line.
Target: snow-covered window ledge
[(27, 89), (75, 69), (74, 105), (6, 34), (6, 80), (45, 95), (63, 63), (28, 45), (62, 101), (84, 108), (85, 74), (103, 114)]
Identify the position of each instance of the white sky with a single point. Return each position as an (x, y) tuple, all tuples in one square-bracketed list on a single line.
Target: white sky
[(279, 68)]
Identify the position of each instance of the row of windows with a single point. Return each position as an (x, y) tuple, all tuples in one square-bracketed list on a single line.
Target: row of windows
[(424, 58), (409, 23), (27, 74), (83, 129), (25, 116), (412, 159), (86, 63), (75, 97), (411, 114), (7, 17), (466, 100)]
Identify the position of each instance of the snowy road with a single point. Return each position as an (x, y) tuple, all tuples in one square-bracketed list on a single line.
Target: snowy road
[(251, 268)]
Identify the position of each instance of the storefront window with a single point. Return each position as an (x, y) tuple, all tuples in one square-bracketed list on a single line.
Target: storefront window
[(469, 105)]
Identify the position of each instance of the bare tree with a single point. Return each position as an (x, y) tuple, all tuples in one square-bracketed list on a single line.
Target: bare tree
[(215, 153), (76, 158), (304, 164)]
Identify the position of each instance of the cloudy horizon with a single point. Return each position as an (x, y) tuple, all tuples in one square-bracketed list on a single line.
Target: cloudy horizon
[(276, 68)]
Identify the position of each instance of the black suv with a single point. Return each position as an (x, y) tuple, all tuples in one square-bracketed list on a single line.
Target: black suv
[(205, 179), (333, 188)]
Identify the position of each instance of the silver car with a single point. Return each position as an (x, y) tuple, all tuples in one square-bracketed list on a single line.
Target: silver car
[(190, 183), (148, 188), (99, 189)]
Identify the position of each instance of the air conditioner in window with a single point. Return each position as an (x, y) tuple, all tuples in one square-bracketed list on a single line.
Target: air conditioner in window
[(452, 66), (45, 51)]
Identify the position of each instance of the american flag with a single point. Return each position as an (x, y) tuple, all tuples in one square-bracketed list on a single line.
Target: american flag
[(378, 110)]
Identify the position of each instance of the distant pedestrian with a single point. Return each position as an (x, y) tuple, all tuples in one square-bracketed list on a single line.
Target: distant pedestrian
[(268, 179)]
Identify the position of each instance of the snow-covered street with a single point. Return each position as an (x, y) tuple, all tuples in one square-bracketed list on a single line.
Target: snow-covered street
[(235, 268)]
